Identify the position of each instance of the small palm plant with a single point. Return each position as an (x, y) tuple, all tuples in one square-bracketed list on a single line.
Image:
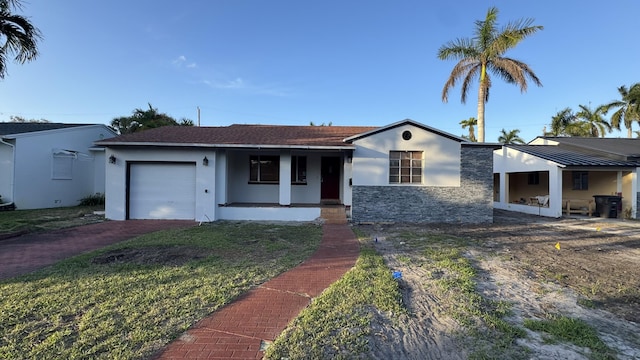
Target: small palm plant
[(470, 123), (510, 137)]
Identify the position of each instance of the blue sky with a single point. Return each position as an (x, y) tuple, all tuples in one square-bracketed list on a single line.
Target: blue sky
[(291, 62)]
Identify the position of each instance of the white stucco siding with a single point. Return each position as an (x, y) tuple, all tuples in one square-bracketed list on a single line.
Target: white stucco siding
[(99, 165), (309, 193), (511, 160), (441, 158), (35, 186), (241, 191), (542, 141), (116, 178)]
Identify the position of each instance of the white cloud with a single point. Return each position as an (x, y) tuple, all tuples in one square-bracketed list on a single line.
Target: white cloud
[(237, 83), (182, 61)]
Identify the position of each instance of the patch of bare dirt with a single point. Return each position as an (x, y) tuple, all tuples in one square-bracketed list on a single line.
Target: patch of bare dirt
[(170, 256), (593, 276), (424, 333)]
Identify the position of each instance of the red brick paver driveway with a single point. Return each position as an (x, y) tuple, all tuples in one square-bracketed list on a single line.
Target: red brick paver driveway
[(26, 253)]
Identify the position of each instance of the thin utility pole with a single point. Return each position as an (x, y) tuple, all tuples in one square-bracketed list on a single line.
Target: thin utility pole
[(198, 107)]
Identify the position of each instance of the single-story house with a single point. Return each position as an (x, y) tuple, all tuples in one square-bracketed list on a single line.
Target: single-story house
[(44, 165), (405, 172), (552, 176)]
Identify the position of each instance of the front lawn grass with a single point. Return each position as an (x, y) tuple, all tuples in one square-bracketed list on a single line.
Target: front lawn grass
[(337, 324), (575, 331), (47, 219), (128, 300)]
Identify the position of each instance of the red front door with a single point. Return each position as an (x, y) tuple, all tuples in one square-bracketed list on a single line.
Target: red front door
[(330, 172)]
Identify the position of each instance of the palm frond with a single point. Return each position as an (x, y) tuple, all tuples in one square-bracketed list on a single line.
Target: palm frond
[(459, 71), (457, 50)]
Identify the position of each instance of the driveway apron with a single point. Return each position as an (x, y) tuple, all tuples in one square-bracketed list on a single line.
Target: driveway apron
[(30, 252)]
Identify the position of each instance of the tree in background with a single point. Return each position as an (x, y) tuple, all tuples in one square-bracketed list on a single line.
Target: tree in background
[(18, 37), (20, 119), (510, 137), (470, 123), (592, 122), (483, 55), (560, 122), (311, 123), (628, 108), (146, 119)]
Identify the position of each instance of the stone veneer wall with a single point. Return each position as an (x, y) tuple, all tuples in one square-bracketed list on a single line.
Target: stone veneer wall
[(471, 202)]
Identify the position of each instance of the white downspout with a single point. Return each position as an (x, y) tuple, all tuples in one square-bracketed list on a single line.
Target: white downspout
[(13, 169)]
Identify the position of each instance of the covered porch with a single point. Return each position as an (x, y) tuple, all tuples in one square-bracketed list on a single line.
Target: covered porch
[(281, 184), (562, 191)]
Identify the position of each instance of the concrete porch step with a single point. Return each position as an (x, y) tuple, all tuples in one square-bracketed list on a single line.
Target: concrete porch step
[(334, 215)]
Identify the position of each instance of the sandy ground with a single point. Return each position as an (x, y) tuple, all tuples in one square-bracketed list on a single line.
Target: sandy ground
[(594, 276)]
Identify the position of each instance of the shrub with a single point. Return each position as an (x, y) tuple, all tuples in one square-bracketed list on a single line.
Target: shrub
[(92, 200)]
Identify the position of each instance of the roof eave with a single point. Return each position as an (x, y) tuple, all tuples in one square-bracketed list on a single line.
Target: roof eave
[(400, 123), (58, 130), (232, 146), (494, 146)]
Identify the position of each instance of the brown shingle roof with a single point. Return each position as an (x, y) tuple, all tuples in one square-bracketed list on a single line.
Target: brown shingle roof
[(251, 135)]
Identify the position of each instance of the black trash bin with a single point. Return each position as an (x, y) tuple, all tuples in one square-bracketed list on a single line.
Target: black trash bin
[(607, 206)]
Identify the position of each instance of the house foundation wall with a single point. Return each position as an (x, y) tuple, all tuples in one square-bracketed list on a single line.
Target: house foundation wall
[(471, 202)]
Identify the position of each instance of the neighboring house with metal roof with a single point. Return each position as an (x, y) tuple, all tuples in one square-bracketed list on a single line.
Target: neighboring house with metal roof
[(552, 176), (405, 171), (44, 165)]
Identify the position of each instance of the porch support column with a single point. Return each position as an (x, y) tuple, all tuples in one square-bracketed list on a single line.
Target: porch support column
[(634, 193), (503, 188), (619, 182), (555, 190), (222, 176), (285, 178), (347, 176)]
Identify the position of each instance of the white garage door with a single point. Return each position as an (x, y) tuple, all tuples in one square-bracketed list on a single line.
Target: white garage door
[(162, 191)]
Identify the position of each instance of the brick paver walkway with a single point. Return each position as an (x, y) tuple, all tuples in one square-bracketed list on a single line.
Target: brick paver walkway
[(30, 252), (240, 329)]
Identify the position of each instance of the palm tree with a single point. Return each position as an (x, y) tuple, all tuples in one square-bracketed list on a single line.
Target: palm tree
[(592, 122), (470, 123), (510, 137), (482, 55), (19, 35), (628, 108), (560, 122)]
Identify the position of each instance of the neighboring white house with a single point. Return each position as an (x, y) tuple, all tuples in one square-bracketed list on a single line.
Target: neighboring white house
[(44, 165), (405, 171), (552, 176)]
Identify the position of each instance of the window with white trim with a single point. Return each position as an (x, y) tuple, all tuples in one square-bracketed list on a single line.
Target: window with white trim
[(62, 165), (405, 167), (264, 169), (298, 169)]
